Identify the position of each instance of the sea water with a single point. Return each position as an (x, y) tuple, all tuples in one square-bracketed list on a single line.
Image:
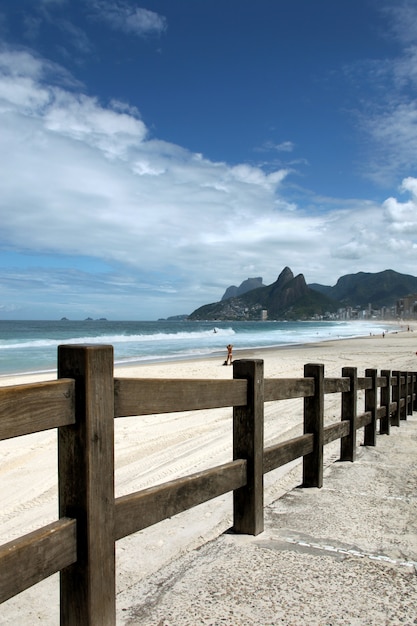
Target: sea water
[(31, 346)]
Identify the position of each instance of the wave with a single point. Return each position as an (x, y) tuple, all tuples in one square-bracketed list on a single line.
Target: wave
[(117, 339)]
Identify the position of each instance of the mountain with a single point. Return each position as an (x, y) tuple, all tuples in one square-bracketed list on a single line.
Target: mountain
[(288, 297), (380, 289), (247, 285)]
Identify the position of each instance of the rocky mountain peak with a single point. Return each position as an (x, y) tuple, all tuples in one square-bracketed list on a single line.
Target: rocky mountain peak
[(285, 276), (244, 287)]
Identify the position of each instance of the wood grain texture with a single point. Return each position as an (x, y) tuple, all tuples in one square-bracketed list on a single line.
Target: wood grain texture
[(26, 409), (313, 423), (287, 388), (287, 451), (86, 486), (146, 396), (150, 506), (248, 443), (35, 556)]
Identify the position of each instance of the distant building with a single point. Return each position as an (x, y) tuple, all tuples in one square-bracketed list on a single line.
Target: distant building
[(407, 306), (264, 315)]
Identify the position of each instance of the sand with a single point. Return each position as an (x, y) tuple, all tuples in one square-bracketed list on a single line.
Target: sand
[(154, 449)]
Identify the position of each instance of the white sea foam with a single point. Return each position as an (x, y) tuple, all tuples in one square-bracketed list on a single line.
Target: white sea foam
[(32, 346)]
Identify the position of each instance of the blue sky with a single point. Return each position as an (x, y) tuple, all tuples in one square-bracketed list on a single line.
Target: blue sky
[(154, 153)]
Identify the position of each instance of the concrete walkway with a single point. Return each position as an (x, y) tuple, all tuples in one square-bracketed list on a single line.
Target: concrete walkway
[(344, 554)]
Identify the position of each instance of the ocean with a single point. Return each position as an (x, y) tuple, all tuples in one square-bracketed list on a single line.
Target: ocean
[(31, 346)]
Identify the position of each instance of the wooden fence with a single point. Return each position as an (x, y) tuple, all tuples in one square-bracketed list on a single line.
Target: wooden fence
[(82, 405)]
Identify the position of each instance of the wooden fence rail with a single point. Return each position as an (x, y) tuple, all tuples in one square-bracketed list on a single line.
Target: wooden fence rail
[(83, 403)]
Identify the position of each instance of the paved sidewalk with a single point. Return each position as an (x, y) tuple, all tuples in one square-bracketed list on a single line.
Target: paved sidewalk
[(344, 554)]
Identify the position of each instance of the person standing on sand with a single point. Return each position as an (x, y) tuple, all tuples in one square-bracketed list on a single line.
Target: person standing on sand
[(229, 354)]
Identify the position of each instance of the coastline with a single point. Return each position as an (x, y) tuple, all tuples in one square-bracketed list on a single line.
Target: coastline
[(207, 366), (32, 352), (157, 448), (397, 350)]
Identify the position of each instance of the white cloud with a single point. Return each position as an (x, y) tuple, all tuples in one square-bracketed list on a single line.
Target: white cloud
[(394, 136), (78, 175), (403, 215), (410, 184), (125, 17), (83, 179), (82, 118), (402, 17), (390, 113), (255, 176), (284, 146)]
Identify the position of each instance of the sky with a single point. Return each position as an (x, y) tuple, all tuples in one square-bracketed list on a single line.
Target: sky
[(153, 153)]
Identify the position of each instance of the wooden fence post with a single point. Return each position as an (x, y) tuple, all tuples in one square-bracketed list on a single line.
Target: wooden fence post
[(248, 443), (412, 391), (314, 423), (86, 486), (409, 392), (385, 422), (371, 405), (396, 395), (349, 412), (403, 396)]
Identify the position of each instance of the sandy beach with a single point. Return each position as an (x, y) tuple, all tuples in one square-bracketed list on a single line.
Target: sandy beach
[(152, 449)]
